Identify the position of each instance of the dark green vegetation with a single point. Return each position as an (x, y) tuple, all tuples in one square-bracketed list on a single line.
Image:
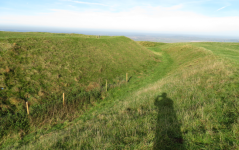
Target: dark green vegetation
[(39, 67), (188, 100)]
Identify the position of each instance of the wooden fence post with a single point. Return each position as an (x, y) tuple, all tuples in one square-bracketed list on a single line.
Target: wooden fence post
[(63, 99), (27, 108), (126, 78), (106, 85)]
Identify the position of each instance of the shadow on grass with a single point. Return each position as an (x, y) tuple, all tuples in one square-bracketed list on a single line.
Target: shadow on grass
[(168, 135)]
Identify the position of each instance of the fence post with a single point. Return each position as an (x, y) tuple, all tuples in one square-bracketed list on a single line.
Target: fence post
[(27, 108), (126, 78), (106, 85), (63, 99)]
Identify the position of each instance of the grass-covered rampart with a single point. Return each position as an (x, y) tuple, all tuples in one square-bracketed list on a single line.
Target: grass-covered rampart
[(39, 67), (190, 102)]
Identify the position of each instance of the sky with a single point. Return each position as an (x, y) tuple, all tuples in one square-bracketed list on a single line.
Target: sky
[(199, 17)]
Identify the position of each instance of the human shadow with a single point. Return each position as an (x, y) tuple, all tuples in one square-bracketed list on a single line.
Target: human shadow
[(168, 135)]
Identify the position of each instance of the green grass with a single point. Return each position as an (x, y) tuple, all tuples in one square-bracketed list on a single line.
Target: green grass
[(227, 50), (189, 100), (39, 67)]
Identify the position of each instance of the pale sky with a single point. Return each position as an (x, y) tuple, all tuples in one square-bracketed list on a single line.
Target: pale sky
[(215, 17)]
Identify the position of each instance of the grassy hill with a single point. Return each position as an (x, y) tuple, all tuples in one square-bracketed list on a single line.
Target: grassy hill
[(226, 50), (190, 100), (39, 67)]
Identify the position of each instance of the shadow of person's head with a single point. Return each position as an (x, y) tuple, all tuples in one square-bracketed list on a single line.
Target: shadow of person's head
[(163, 100), (164, 95)]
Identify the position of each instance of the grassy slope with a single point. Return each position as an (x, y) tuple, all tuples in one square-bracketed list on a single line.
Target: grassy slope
[(42, 65), (227, 50), (189, 101), (39, 67)]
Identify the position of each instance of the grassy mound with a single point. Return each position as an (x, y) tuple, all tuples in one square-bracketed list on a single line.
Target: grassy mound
[(39, 67), (193, 105), (225, 50)]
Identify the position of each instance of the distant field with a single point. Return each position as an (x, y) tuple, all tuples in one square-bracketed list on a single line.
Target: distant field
[(188, 99), (180, 38)]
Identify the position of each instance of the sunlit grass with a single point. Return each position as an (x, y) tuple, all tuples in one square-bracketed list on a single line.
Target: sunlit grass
[(39, 67), (188, 101)]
